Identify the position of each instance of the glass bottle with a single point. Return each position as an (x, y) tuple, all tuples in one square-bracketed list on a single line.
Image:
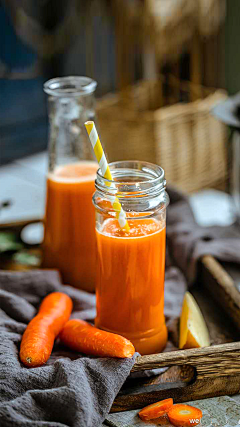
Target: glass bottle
[(69, 240), (131, 265)]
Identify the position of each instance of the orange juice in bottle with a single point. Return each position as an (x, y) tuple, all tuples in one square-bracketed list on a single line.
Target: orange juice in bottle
[(69, 240), (131, 265)]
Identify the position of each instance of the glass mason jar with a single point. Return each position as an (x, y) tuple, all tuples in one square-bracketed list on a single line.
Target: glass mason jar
[(131, 265), (69, 240)]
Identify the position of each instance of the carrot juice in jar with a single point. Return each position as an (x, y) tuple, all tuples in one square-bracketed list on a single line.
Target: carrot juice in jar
[(69, 239), (131, 264)]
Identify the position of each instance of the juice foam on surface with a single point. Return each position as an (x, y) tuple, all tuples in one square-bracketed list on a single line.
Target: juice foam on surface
[(79, 171), (138, 228)]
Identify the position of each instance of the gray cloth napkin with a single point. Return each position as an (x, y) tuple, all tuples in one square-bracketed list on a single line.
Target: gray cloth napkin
[(69, 390), (188, 242)]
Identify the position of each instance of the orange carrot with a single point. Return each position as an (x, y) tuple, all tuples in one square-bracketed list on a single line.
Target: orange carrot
[(80, 336), (156, 410), (181, 415), (38, 338)]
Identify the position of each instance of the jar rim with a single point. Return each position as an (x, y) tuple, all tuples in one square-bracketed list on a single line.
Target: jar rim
[(145, 179), (128, 163), (70, 86)]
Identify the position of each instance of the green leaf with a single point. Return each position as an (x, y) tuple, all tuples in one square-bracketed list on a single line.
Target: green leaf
[(27, 258), (9, 242)]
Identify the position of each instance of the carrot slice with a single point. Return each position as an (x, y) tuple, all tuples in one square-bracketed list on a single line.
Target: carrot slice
[(85, 338), (38, 338), (182, 415), (156, 410)]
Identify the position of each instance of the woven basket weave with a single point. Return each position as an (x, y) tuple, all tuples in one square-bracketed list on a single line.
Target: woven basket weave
[(183, 138)]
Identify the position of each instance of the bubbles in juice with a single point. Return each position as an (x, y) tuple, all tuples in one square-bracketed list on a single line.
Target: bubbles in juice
[(138, 228)]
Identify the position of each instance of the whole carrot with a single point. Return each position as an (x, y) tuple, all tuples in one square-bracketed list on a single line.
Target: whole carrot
[(80, 336), (38, 338)]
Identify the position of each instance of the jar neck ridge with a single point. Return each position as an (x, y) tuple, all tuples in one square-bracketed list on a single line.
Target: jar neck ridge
[(132, 180)]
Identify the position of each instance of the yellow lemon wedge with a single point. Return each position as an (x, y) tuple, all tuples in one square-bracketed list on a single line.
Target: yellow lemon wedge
[(193, 329)]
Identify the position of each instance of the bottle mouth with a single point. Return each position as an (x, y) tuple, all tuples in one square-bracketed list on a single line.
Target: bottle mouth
[(132, 179), (70, 86)]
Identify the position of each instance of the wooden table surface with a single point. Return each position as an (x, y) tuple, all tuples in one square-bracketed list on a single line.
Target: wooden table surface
[(217, 412)]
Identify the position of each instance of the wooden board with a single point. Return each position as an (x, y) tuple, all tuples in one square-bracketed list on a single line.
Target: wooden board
[(216, 279)]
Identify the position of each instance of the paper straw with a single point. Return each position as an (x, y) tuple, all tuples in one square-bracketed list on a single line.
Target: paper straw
[(103, 164)]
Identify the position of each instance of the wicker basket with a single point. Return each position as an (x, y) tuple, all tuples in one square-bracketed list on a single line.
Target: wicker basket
[(183, 138)]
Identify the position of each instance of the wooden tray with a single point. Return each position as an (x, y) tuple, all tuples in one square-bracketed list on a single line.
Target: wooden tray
[(197, 373)]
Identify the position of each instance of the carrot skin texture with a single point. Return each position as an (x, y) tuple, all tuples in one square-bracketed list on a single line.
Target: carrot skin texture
[(85, 338), (38, 338), (178, 418), (156, 410)]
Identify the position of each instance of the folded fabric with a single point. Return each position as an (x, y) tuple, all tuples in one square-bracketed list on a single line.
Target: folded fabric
[(69, 390), (188, 242)]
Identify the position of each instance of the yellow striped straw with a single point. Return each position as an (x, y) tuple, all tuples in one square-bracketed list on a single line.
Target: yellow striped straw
[(103, 164)]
